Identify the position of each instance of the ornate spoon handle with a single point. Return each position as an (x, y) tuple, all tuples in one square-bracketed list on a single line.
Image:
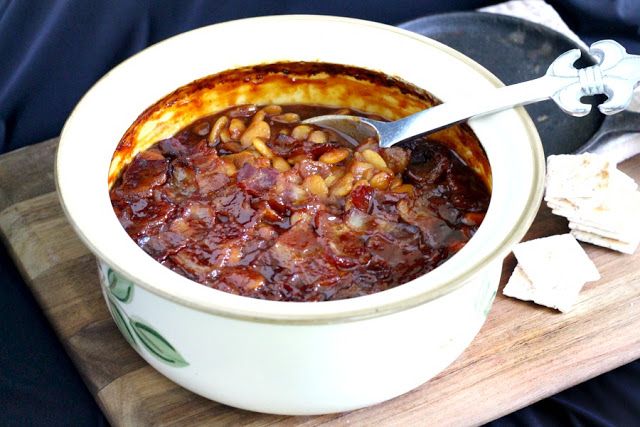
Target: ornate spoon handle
[(616, 75)]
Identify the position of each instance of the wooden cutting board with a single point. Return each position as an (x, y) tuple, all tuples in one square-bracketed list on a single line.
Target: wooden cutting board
[(522, 354)]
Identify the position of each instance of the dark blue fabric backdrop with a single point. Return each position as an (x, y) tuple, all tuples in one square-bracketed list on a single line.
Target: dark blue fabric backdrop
[(51, 52)]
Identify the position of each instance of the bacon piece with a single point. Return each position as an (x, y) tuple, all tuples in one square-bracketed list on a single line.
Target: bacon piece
[(287, 146), (361, 197), (266, 212), (203, 157), (345, 246), (141, 216), (234, 204), (183, 177), (313, 149), (172, 147), (466, 191), (147, 170), (308, 168), (435, 231), (163, 244), (220, 247), (429, 163), (383, 204), (256, 181), (193, 262), (194, 220), (397, 158), (298, 257), (282, 145), (211, 181), (239, 280)]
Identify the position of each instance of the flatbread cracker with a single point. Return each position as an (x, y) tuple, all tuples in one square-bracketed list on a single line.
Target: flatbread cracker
[(564, 204), (584, 175), (620, 181), (601, 203), (555, 260), (519, 286), (616, 245), (617, 213), (622, 237), (623, 227), (577, 175)]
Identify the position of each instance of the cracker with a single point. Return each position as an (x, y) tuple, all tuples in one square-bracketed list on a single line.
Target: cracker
[(601, 203), (562, 204), (605, 242), (577, 175), (584, 175), (521, 287), (628, 237), (617, 213), (555, 260), (622, 182)]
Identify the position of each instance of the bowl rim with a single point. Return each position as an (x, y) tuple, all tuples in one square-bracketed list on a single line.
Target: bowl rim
[(265, 311)]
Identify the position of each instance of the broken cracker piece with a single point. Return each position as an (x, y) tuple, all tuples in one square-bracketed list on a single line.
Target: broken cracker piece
[(519, 286), (555, 260)]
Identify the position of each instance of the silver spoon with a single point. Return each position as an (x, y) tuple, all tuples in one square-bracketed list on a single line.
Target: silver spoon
[(616, 74)]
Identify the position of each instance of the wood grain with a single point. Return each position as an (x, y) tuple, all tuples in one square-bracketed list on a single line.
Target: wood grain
[(523, 353)]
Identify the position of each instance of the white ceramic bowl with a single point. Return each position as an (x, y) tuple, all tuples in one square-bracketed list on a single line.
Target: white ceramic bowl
[(284, 357)]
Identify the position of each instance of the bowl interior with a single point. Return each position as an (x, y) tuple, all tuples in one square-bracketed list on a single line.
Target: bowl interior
[(283, 83), (93, 131)]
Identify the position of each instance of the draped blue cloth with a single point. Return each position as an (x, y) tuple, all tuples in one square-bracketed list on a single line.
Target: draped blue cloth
[(51, 52)]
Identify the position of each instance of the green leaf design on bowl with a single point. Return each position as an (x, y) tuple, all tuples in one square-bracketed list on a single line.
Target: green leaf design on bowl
[(121, 322), (485, 298), (156, 344), (120, 288), (489, 304)]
